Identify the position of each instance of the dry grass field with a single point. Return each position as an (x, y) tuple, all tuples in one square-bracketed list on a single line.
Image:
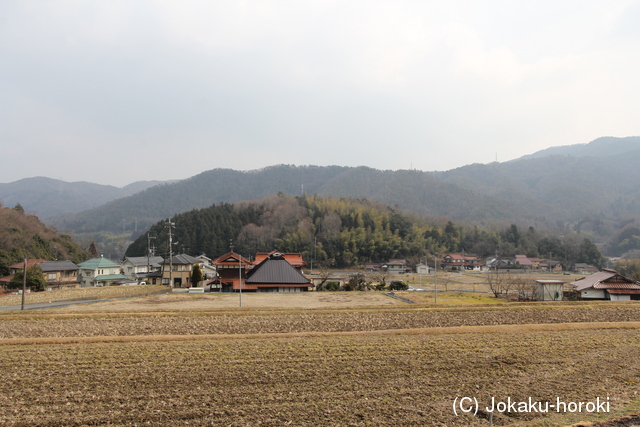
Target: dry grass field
[(332, 359)]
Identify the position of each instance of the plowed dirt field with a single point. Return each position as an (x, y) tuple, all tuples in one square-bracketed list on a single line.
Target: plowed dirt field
[(334, 367)]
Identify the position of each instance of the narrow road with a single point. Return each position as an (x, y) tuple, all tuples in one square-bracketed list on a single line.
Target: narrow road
[(40, 305)]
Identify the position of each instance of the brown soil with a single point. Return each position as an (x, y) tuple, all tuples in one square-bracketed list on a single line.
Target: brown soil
[(270, 322), (358, 380), (395, 365)]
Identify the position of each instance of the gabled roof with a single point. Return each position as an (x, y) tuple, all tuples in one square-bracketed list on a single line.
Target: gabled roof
[(275, 270), (156, 261), (183, 259), (293, 258), (522, 260), (584, 266), (58, 266), (30, 263), (95, 263), (606, 279), (230, 258)]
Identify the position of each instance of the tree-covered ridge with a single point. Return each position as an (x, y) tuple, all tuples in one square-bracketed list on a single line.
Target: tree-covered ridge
[(342, 232), (24, 236)]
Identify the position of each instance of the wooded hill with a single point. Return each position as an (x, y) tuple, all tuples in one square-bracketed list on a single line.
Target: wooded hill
[(588, 188), (24, 236), (338, 232), (414, 190)]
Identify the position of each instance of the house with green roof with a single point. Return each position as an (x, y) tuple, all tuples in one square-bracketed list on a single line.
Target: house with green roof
[(100, 272)]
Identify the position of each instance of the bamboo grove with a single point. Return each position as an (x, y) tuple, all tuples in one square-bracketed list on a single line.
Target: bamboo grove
[(340, 233)]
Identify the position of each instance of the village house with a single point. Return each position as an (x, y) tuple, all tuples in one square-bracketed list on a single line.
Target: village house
[(176, 272), (582, 268), (459, 262), (393, 266), (521, 261), (60, 274), (607, 285), (231, 268), (57, 274), (13, 269), (275, 274), (100, 272), (293, 258), (142, 269), (269, 272)]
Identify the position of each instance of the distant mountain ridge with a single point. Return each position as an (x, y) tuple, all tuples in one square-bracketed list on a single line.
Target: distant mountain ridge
[(414, 190), (598, 179), (47, 197), (601, 147)]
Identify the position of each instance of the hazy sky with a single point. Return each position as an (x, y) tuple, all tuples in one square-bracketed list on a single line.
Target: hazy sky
[(118, 91)]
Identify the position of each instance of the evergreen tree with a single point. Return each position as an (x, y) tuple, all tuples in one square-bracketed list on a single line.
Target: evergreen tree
[(196, 275), (35, 279)]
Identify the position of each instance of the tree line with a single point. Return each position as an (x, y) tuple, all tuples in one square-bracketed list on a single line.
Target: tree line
[(342, 232)]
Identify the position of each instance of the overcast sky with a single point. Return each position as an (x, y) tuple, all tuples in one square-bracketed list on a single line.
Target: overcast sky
[(119, 91)]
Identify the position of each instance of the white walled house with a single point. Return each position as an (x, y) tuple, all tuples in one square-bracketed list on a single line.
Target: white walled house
[(99, 272), (607, 285)]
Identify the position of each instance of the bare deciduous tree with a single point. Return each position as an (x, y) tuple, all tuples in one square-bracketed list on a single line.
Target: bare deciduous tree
[(499, 282)]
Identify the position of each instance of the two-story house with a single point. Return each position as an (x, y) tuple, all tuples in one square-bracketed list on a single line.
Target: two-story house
[(176, 272), (100, 272), (60, 274), (143, 269)]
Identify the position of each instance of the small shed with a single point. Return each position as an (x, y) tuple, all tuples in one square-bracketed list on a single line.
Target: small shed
[(422, 268), (549, 290)]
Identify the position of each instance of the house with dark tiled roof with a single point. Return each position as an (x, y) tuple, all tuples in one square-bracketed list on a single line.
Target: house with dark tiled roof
[(178, 270), (607, 285), (143, 269), (57, 274), (60, 274), (275, 274)]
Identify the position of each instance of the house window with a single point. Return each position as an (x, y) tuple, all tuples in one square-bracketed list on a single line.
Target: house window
[(51, 276)]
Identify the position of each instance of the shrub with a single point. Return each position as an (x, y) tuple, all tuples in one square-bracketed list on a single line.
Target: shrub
[(398, 285), (332, 286)]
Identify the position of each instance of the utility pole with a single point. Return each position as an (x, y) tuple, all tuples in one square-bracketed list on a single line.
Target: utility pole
[(435, 282), (239, 271), (170, 225), (149, 253), (24, 282)]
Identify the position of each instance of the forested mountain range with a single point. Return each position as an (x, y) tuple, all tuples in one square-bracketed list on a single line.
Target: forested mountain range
[(339, 232), (591, 188), (418, 191), (48, 197)]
